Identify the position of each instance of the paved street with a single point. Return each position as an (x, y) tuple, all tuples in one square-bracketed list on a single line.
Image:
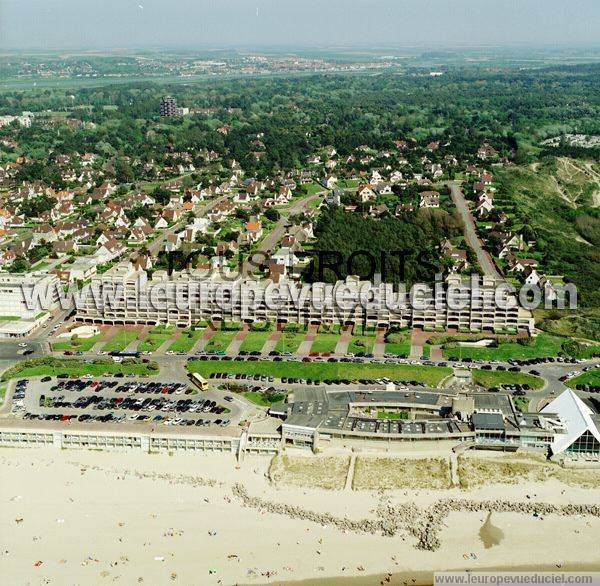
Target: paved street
[(485, 261), (277, 233)]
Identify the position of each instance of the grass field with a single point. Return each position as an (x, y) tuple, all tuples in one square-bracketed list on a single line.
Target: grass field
[(430, 375), (153, 341), (392, 415), (56, 366), (361, 344), (398, 344), (313, 188), (120, 341), (220, 341), (80, 344), (522, 404), (264, 399), (543, 345), (186, 341), (493, 378), (289, 342), (324, 343), (587, 378), (400, 473), (254, 341)]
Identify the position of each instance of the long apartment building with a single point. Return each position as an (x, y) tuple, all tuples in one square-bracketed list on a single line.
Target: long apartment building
[(183, 298)]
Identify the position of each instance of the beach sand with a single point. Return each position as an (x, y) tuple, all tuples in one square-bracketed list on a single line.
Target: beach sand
[(126, 518)]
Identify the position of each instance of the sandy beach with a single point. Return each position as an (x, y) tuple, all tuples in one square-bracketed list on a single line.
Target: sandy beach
[(77, 517)]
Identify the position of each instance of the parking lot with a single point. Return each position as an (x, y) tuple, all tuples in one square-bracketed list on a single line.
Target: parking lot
[(112, 400)]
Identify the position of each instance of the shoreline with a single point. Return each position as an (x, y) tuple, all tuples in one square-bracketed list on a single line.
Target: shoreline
[(425, 577)]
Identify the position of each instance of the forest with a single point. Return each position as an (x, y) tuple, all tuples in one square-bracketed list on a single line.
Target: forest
[(291, 117)]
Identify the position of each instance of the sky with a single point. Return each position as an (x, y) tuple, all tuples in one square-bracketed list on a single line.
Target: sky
[(123, 24)]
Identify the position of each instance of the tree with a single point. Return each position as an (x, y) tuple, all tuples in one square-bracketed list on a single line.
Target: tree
[(123, 171), (20, 265), (272, 214), (161, 195)]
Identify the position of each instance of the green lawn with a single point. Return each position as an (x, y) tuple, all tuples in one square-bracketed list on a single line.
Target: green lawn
[(324, 343), (587, 378), (264, 399), (153, 341), (120, 341), (80, 344), (289, 342), (254, 341), (220, 341), (543, 345), (392, 415), (402, 349), (55, 366), (493, 378), (430, 375), (361, 344), (521, 404), (186, 341), (348, 183), (398, 344), (2, 393), (313, 188)]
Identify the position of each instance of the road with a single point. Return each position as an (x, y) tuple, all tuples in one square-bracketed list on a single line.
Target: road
[(483, 258), (277, 233)]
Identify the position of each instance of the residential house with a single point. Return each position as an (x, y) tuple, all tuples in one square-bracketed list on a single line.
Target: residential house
[(429, 199), (61, 248), (365, 193)]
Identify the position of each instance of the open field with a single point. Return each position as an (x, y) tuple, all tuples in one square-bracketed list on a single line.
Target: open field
[(475, 471), (398, 344), (361, 344), (522, 404), (254, 341), (493, 378), (220, 341), (325, 343), (56, 366), (77, 345), (264, 399), (583, 323), (186, 341), (120, 341), (374, 473), (541, 346), (154, 340), (587, 378), (289, 342), (430, 375), (328, 472), (392, 415)]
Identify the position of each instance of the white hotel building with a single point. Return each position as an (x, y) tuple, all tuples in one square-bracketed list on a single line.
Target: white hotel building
[(189, 296)]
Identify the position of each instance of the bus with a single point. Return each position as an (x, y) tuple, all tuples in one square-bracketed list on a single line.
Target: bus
[(125, 354), (199, 381)]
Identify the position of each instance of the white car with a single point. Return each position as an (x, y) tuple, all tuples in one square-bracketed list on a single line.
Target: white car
[(23, 345)]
